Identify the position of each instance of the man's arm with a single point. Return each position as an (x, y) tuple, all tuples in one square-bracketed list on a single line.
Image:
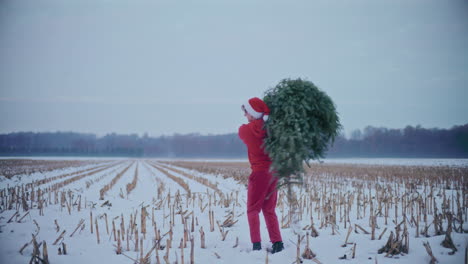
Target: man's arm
[(245, 134)]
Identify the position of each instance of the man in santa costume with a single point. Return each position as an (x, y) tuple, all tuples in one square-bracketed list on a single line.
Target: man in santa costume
[(261, 194)]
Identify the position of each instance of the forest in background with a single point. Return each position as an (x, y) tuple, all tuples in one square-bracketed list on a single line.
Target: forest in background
[(410, 142)]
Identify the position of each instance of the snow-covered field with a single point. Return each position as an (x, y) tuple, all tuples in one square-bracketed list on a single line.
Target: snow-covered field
[(153, 204), (402, 161), (373, 161), (368, 161)]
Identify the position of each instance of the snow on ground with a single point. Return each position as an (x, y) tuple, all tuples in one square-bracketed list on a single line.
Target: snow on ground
[(402, 161), (27, 178), (225, 185), (83, 246), (63, 158), (367, 161)]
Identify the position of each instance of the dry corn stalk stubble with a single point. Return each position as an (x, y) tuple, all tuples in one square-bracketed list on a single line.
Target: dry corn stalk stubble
[(334, 193), (372, 199)]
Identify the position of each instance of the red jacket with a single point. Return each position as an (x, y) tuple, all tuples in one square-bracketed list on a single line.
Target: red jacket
[(253, 135)]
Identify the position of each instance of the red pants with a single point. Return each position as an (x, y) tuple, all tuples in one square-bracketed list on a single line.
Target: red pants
[(262, 196)]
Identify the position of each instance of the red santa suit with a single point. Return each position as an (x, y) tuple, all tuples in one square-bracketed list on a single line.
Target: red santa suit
[(262, 194)]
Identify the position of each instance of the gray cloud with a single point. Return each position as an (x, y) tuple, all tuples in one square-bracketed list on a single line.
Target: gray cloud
[(164, 66)]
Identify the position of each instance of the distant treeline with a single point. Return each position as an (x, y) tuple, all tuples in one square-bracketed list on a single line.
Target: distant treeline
[(370, 142), (410, 142)]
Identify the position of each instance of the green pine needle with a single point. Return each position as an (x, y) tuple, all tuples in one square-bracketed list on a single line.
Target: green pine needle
[(303, 122)]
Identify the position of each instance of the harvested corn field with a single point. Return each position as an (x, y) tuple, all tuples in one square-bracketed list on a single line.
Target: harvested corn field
[(160, 211)]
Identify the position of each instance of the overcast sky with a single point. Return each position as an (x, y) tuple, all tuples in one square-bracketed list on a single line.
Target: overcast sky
[(166, 67)]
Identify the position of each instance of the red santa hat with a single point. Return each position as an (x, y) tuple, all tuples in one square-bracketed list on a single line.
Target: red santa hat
[(257, 108)]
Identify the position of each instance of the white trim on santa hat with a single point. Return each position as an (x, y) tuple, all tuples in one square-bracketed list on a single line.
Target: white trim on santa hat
[(251, 111)]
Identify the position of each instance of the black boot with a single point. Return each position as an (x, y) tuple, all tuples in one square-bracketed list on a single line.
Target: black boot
[(257, 246), (277, 247)]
